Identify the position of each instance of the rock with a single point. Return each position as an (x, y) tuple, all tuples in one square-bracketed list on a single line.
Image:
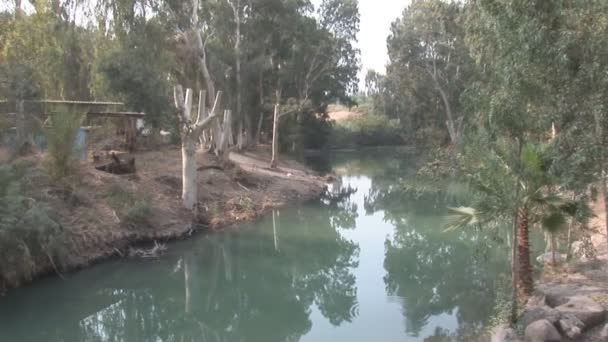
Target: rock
[(604, 333), (577, 249), (504, 333), (571, 326), (585, 309), (542, 331), (535, 313), (537, 300), (547, 258)]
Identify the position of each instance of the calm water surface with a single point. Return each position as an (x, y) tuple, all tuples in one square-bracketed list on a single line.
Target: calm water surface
[(365, 263)]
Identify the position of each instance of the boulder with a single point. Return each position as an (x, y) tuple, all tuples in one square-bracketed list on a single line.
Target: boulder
[(547, 258), (571, 326), (504, 333), (585, 309), (535, 313), (536, 300), (542, 331)]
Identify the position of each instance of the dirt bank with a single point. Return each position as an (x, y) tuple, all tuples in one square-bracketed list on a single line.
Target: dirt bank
[(103, 214)]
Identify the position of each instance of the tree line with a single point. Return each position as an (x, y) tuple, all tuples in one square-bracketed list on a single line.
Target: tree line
[(261, 54), (517, 92)]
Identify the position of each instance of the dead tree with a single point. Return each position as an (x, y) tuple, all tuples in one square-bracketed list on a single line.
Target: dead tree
[(191, 130)]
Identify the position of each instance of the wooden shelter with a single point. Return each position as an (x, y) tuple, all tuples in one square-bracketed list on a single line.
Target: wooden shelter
[(43, 109)]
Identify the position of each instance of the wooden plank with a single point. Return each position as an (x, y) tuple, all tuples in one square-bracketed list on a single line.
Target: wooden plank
[(94, 103), (118, 114)]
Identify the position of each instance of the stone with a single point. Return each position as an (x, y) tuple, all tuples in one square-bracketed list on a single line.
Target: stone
[(547, 258), (604, 333), (504, 333), (571, 326), (585, 309), (542, 331), (536, 300), (535, 313)]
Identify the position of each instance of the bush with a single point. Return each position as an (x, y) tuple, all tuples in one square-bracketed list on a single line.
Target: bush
[(132, 209), (61, 137), (366, 130), (431, 137), (28, 234)]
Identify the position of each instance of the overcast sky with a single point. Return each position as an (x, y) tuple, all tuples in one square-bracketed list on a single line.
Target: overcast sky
[(376, 19)]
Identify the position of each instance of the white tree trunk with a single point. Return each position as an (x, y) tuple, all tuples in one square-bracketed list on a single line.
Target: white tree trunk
[(275, 137), (189, 173), (191, 130)]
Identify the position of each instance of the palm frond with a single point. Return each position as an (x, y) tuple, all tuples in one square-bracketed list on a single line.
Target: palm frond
[(553, 222), (461, 217)]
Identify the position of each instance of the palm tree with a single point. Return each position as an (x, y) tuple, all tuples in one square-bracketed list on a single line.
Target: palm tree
[(536, 204)]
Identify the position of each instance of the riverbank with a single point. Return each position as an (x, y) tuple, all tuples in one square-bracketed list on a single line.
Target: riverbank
[(571, 298), (102, 215)]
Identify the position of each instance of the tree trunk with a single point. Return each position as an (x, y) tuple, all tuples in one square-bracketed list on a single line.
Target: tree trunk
[(258, 131), (599, 136), (525, 281), (514, 267), (239, 82), (275, 137), (189, 186), (191, 131), (605, 198)]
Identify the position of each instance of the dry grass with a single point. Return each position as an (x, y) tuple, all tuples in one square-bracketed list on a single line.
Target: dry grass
[(95, 226)]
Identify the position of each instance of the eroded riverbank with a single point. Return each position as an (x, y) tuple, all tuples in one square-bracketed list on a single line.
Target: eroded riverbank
[(103, 215)]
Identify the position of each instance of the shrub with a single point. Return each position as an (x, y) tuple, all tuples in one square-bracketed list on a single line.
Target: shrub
[(28, 234), (61, 137), (366, 130), (132, 209)]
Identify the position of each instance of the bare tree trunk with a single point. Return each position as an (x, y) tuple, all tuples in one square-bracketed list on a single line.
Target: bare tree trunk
[(191, 131), (239, 81), (275, 137), (599, 136), (259, 128), (226, 135), (189, 183)]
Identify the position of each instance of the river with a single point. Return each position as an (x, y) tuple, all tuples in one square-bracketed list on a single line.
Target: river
[(364, 263)]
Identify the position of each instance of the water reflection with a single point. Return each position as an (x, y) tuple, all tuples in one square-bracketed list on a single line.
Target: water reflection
[(435, 272), (254, 285), (364, 263)]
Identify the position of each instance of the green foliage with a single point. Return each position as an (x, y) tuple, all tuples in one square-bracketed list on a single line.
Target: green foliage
[(29, 235), (136, 70), (61, 137), (134, 210), (366, 130)]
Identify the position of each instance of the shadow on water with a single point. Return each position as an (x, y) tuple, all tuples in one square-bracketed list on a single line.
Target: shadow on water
[(363, 263)]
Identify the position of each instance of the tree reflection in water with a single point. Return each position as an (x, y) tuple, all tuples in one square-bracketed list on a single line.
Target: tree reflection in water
[(435, 272), (272, 280), (251, 285)]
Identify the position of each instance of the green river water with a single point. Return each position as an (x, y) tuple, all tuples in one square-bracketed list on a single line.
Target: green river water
[(364, 263)]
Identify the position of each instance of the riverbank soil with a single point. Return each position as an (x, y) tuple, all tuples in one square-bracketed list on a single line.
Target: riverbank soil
[(103, 214), (583, 277)]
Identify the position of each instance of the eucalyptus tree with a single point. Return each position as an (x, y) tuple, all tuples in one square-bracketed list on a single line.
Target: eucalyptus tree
[(428, 55)]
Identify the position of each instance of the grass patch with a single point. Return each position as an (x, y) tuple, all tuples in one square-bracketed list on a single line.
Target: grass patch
[(133, 210)]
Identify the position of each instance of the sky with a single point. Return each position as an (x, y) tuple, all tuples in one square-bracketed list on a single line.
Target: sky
[(376, 19)]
